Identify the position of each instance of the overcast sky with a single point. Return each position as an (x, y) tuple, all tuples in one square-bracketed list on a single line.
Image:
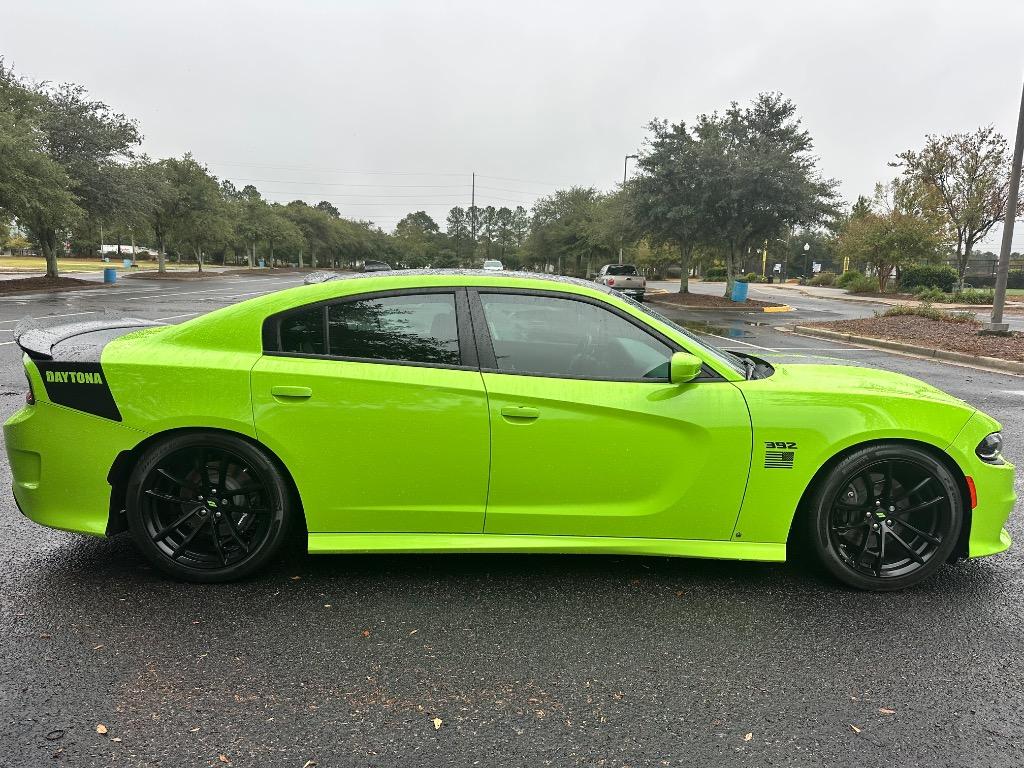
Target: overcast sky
[(385, 107)]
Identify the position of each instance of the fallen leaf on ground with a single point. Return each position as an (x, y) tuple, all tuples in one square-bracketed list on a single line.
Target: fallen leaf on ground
[(437, 723), (45, 635), (886, 711), (101, 728), (116, 738), (97, 647), (855, 728), (748, 737), (296, 578), (413, 632), (309, 764), (366, 633), (223, 758)]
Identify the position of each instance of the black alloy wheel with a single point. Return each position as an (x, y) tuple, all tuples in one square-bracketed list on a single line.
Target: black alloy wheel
[(207, 507), (887, 517)]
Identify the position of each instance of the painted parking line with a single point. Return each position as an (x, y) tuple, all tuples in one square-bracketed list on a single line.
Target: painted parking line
[(215, 290), (737, 341)]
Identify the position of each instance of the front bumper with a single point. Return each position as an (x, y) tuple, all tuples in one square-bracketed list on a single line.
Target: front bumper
[(633, 293), (59, 461), (994, 487)]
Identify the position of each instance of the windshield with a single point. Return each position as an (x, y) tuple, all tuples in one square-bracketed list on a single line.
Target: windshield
[(731, 360), (621, 269)]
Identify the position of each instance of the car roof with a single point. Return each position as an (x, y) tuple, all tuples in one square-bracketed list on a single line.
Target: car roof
[(483, 274)]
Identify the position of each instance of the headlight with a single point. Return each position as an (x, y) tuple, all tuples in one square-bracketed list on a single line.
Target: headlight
[(990, 449)]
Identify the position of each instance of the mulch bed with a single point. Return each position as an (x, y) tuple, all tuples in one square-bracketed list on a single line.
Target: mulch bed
[(936, 334), (38, 284), (704, 300)]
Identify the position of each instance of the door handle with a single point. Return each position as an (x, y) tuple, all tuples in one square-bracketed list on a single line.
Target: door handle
[(519, 414), (291, 393)]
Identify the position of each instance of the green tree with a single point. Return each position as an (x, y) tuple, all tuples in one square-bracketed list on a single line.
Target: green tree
[(893, 234), (417, 236), (671, 197), (34, 188), (562, 232), (91, 143), (755, 176), (969, 176), (457, 229), (201, 221)]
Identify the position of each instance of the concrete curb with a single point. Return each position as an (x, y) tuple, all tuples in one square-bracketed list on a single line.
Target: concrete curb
[(971, 361), (669, 305)]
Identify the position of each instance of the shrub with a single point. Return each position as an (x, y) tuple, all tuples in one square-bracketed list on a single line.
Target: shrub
[(973, 296), (715, 275), (862, 284), (926, 275), (751, 277), (847, 277), (824, 278), (931, 293), (928, 311)]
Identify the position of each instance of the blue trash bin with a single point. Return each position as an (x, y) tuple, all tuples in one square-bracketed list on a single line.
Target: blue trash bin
[(739, 291), (109, 275)]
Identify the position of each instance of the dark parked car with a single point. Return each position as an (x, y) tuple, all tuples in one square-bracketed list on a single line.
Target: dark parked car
[(376, 266)]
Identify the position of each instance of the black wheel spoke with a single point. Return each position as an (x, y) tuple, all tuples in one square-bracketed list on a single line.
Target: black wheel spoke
[(919, 507), (165, 497), (926, 536), (243, 489), (164, 532), (180, 549), (863, 547), (847, 527), (177, 480), (215, 535), (881, 551), (915, 556), (233, 530), (920, 486), (222, 472), (887, 483)]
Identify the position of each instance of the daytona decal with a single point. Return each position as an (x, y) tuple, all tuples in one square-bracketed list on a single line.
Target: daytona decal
[(78, 385)]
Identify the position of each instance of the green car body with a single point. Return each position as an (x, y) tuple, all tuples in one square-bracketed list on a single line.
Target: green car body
[(392, 456)]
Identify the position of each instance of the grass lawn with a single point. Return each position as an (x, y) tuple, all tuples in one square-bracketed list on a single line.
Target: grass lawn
[(38, 264)]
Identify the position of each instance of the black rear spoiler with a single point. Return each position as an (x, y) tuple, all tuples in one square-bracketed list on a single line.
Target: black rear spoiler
[(77, 341)]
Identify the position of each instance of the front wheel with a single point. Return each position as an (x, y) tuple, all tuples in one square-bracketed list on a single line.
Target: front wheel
[(886, 517), (207, 507)]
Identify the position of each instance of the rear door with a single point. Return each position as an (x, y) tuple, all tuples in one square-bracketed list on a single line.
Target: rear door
[(589, 438), (377, 406)]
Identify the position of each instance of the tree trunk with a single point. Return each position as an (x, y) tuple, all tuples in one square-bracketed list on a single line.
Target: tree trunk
[(251, 255), (300, 258), (685, 256), (48, 240), (730, 269), (161, 258)]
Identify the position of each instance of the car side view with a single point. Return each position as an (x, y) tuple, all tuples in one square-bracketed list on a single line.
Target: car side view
[(444, 411)]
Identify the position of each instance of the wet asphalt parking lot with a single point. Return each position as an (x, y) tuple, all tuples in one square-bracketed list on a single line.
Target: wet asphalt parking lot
[(517, 660)]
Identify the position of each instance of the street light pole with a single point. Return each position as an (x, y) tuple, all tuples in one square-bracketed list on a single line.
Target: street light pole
[(999, 299), (807, 258), (625, 164)]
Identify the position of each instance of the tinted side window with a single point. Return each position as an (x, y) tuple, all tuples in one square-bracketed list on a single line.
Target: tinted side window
[(303, 332), (563, 337), (419, 329)]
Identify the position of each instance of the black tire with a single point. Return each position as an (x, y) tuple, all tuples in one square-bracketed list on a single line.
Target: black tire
[(208, 507), (885, 517)]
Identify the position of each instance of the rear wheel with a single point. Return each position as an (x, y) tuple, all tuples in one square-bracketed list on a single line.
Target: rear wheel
[(207, 507), (886, 517)]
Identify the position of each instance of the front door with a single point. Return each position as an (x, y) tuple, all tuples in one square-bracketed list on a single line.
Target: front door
[(378, 413), (588, 437)]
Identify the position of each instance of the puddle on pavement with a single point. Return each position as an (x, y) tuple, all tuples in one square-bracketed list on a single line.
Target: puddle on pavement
[(732, 331)]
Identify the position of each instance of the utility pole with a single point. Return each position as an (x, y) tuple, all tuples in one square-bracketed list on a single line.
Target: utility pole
[(472, 218), (996, 325), (625, 163)]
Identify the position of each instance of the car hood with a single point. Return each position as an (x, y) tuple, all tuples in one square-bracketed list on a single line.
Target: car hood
[(854, 380)]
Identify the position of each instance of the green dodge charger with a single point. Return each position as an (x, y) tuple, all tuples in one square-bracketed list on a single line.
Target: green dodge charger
[(441, 411)]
